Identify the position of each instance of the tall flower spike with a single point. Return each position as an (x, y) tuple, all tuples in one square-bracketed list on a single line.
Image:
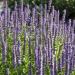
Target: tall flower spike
[(37, 50), (15, 16), (64, 15), (22, 12), (5, 7), (41, 39), (49, 5), (18, 53), (14, 61)]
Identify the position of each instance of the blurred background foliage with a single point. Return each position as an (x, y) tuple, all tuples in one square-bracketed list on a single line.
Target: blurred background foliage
[(69, 5)]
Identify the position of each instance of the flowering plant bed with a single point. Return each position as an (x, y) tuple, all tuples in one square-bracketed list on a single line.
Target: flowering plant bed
[(34, 41)]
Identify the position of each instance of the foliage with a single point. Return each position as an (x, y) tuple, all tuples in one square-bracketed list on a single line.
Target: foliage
[(58, 47), (69, 5)]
